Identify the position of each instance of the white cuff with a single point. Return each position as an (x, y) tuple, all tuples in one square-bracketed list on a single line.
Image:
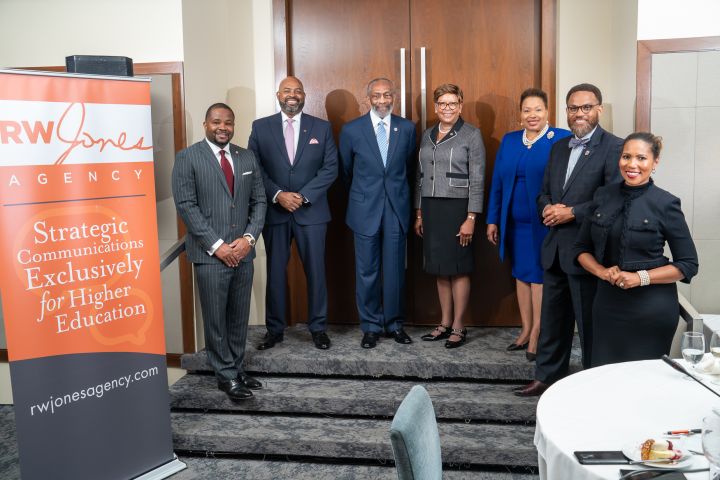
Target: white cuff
[(214, 248), (274, 199)]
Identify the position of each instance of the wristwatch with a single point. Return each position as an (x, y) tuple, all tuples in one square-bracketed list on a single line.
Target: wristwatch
[(250, 240), (572, 211)]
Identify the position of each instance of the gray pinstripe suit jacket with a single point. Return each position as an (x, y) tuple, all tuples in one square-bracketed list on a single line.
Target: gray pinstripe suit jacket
[(203, 199)]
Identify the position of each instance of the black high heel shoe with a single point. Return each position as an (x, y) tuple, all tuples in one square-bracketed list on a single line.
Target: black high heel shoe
[(530, 356), (460, 333), (514, 346), (429, 337)]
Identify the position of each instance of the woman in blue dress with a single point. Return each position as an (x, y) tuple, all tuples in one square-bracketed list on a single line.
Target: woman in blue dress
[(512, 218)]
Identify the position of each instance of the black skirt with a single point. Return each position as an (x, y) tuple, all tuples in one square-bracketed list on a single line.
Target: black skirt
[(442, 253), (634, 324)]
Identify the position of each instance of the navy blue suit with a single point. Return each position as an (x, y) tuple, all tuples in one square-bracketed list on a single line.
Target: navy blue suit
[(313, 171), (379, 215)]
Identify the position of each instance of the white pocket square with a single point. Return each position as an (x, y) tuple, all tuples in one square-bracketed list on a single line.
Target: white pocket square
[(314, 141), (247, 173)]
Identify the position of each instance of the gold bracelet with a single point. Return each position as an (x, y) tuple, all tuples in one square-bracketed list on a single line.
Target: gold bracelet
[(471, 217)]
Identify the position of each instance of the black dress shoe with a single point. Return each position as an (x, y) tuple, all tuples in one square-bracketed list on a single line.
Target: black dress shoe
[(369, 340), (321, 340), (234, 389), (442, 335), (514, 346), (456, 343), (532, 389), (530, 356), (400, 336), (249, 382), (269, 341)]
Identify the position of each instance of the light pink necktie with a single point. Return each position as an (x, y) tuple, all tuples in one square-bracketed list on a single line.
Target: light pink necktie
[(290, 140)]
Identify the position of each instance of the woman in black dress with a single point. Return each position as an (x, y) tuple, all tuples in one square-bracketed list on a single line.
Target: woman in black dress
[(635, 312)]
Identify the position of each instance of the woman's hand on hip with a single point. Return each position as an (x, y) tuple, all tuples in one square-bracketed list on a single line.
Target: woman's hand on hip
[(492, 233)]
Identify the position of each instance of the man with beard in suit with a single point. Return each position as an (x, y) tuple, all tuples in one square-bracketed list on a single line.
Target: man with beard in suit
[(377, 151), (578, 165), (298, 157)]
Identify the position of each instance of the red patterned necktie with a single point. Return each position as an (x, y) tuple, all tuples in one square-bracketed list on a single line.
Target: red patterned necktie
[(227, 170)]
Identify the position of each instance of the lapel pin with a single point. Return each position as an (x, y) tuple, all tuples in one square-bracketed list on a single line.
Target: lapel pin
[(395, 129), (587, 152), (550, 134)]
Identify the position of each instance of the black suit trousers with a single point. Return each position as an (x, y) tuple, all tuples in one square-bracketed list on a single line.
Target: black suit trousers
[(567, 300)]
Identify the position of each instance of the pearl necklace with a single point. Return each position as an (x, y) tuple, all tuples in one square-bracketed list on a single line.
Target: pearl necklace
[(444, 131), (529, 143)]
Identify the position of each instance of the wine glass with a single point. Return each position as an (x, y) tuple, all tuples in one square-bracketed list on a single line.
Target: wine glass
[(711, 444), (715, 345), (693, 347)]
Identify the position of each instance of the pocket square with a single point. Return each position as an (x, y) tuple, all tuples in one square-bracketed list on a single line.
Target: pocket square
[(247, 173), (314, 141)]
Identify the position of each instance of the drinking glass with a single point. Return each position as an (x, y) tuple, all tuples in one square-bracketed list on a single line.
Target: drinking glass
[(711, 444), (693, 347), (715, 345)]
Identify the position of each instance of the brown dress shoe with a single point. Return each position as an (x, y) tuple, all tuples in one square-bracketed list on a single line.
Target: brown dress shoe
[(532, 389)]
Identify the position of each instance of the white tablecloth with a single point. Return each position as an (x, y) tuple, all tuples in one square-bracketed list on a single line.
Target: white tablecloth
[(608, 407)]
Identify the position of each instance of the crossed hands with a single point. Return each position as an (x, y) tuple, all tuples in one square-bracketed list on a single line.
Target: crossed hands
[(557, 214), (621, 279), (290, 201), (232, 253)]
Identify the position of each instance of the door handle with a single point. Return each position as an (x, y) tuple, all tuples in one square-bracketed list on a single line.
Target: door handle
[(423, 91), (402, 83)]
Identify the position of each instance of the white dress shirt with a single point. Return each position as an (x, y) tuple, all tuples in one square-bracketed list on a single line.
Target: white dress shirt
[(376, 119)]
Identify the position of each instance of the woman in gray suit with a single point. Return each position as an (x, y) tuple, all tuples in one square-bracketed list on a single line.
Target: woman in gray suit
[(448, 197)]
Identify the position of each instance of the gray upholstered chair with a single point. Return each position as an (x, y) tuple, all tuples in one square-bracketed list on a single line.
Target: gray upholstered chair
[(415, 438)]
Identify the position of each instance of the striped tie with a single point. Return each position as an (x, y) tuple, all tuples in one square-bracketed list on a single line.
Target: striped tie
[(382, 141)]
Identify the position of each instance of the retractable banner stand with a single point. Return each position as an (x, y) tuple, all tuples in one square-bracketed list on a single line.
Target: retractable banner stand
[(80, 277)]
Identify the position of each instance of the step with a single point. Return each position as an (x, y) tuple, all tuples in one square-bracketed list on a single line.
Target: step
[(361, 397), (345, 438), (9, 459), (482, 357), (226, 468)]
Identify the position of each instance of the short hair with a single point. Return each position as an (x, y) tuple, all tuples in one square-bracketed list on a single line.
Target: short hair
[(534, 92), (215, 106), (654, 141), (446, 88), (376, 80), (585, 87)]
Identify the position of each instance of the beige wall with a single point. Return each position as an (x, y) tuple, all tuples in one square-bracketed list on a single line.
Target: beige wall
[(597, 44), (678, 19), (44, 32)]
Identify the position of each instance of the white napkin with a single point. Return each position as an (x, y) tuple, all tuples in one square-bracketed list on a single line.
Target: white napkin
[(709, 365)]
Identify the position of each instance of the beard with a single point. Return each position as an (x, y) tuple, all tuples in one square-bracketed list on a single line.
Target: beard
[(582, 130), (291, 109), (386, 110)]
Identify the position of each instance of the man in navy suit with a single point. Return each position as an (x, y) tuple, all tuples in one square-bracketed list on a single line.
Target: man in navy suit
[(298, 158), (218, 192), (377, 151), (578, 165)]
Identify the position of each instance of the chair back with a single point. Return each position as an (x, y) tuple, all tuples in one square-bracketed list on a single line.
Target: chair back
[(415, 438)]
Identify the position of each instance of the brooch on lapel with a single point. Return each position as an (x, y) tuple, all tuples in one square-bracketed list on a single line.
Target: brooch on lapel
[(314, 141), (550, 134)]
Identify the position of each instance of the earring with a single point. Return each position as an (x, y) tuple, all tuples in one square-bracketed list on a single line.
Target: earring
[(653, 171)]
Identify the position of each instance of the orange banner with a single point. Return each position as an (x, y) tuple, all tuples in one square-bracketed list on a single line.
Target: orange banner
[(78, 237)]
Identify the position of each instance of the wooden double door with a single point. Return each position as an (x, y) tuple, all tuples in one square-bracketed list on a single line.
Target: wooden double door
[(492, 49)]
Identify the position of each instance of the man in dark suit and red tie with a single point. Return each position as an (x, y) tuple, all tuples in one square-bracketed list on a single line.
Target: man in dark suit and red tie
[(578, 165), (377, 151), (298, 158), (218, 192)]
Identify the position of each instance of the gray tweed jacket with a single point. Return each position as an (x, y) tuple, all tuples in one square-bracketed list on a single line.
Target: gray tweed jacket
[(452, 168)]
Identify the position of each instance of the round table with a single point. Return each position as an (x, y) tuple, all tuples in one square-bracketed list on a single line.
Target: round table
[(608, 407)]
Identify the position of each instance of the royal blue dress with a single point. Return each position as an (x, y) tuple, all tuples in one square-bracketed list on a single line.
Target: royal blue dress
[(517, 180)]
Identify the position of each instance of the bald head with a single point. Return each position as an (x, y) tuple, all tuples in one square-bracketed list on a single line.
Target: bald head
[(291, 96)]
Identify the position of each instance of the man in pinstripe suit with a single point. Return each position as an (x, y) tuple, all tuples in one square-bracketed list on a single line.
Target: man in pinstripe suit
[(219, 194)]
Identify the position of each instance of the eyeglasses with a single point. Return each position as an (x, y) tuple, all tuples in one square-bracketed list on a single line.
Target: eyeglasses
[(573, 109), (447, 105)]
